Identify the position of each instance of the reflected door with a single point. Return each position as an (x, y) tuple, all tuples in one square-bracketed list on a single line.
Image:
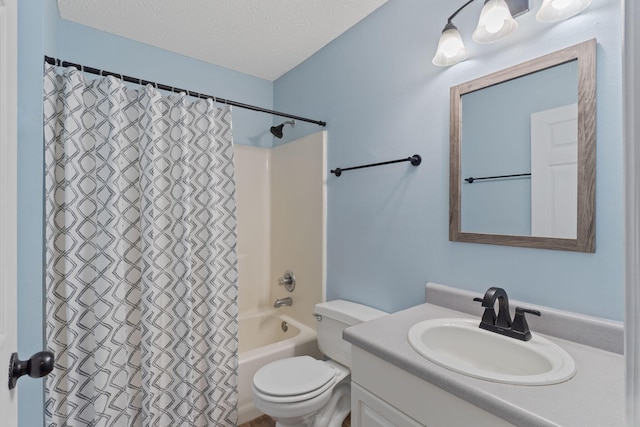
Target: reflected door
[(554, 172)]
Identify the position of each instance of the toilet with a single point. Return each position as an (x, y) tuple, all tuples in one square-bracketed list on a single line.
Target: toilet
[(306, 392)]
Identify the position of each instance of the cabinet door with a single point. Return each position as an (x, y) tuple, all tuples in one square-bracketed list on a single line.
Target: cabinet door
[(367, 410)]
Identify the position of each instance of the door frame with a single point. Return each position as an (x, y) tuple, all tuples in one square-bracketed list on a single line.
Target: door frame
[(631, 91), (8, 201)]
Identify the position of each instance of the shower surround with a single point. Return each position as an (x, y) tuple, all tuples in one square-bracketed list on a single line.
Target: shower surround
[(281, 209)]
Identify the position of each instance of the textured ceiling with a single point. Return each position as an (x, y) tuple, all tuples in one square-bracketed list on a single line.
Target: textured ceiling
[(263, 38)]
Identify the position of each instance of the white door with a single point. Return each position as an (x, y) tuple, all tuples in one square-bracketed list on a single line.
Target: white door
[(8, 204), (554, 172)]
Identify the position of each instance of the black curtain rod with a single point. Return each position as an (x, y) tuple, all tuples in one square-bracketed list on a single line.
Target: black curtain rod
[(471, 179), (415, 161), (91, 70)]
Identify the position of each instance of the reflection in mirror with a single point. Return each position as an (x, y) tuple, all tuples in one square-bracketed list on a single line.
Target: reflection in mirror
[(523, 154), (497, 141)]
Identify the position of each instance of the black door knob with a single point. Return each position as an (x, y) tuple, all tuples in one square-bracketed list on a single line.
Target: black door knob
[(39, 365)]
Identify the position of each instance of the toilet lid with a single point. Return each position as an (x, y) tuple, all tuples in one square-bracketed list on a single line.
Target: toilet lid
[(292, 376)]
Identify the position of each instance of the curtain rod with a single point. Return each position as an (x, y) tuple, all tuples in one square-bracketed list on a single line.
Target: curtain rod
[(91, 70)]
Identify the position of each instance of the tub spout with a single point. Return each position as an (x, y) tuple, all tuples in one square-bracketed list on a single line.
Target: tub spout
[(283, 301)]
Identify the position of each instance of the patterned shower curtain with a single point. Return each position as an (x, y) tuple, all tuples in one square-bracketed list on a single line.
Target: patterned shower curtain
[(141, 263)]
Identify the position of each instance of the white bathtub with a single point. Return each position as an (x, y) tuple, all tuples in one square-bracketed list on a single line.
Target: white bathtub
[(261, 340)]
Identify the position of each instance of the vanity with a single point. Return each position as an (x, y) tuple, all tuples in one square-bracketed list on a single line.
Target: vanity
[(394, 385)]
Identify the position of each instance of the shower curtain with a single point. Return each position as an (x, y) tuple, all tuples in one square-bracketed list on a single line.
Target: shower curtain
[(141, 263)]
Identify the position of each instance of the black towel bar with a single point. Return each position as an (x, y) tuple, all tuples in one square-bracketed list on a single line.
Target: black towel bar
[(415, 161), (471, 179)]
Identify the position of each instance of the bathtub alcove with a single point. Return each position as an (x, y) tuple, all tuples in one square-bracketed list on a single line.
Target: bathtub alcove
[(281, 211)]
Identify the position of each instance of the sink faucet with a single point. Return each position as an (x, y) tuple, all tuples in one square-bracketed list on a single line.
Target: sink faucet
[(501, 323), (488, 302), (283, 301)]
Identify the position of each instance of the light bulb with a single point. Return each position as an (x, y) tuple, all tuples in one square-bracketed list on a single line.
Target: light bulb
[(557, 10), (495, 22), (560, 4), (451, 46), (451, 49)]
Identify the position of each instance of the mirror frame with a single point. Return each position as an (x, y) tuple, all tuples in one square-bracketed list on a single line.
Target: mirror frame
[(585, 54)]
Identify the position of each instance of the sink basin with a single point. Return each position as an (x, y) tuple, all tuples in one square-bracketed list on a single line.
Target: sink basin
[(461, 346)]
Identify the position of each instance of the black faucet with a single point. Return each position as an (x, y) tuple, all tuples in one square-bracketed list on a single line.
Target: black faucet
[(501, 323)]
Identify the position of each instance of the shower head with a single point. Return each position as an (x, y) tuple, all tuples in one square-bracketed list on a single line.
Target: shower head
[(277, 130)]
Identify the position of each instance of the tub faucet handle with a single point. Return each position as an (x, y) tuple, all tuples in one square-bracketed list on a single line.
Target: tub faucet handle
[(288, 280)]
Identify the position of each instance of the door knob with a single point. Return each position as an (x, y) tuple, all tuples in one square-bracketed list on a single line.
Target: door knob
[(39, 365)]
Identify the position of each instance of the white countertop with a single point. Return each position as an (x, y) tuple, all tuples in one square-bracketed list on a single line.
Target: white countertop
[(593, 397)]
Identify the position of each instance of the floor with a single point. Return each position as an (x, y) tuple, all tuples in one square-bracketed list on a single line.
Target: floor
[(266, 421)]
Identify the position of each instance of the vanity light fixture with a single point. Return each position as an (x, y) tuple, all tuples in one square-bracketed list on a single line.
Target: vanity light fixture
[(496, 22)]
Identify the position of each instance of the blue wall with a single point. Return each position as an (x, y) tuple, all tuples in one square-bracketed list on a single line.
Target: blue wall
[(40, 32), (383, 99)]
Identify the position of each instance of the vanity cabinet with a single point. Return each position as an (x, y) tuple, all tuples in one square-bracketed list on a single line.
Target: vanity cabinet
[(384, 395), (369, 410)]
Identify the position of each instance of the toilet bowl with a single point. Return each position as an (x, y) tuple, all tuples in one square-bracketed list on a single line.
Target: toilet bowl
[(305, 392), (302, 391)]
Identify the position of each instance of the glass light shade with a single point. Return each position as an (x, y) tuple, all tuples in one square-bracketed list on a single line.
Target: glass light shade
[(495, 22), (451, 49), (557, 10)]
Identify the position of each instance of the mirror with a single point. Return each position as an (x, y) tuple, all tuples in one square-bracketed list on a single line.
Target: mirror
[(522, 159)]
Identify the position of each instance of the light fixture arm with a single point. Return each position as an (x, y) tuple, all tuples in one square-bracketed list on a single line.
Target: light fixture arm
[(453, 15), (517, 7)]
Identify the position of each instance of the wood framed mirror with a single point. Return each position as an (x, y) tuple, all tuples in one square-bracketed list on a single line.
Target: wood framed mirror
[(522, 154)]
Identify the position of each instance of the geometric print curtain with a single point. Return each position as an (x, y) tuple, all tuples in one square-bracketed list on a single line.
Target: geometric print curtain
[(141, 262)]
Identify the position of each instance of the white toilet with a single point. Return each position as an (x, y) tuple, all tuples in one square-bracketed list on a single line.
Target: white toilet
[(306, 392)]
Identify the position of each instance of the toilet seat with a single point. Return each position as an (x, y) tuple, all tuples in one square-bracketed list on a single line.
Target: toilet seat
[(293, 379), (295, 397)]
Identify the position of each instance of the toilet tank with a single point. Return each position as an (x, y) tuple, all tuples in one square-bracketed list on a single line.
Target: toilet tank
[(333, 317)]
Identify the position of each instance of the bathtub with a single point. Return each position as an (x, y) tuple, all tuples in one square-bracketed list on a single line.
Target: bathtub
[(262, 340)]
